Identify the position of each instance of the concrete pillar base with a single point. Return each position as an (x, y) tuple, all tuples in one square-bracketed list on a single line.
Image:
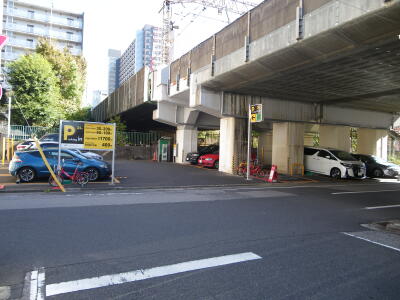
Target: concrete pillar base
[(287, 145), (232, 143), (373, 142), (186, 141), (337, 137), (265, 148)]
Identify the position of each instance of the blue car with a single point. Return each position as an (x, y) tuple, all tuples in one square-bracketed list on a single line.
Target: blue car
[(29, 165)]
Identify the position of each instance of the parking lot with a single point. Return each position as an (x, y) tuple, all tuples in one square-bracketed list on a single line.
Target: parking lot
[(149, 174)]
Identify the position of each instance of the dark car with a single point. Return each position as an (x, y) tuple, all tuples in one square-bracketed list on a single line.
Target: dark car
[(193, 157), (29, 165), (378, 167)]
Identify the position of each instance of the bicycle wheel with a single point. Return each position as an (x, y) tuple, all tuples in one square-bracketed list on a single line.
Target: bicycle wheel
[(52, 182), (82, 178)]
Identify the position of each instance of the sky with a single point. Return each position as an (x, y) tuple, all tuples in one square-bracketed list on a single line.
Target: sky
[(113, 25)]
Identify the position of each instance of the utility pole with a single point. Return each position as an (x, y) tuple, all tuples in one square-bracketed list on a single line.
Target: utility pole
[(238, 7)]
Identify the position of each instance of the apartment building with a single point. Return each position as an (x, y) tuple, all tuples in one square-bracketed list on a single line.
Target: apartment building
[(24, 22), (145, 50)]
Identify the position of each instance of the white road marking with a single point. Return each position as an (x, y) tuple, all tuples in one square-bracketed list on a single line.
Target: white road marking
[(368, 240), (33, 290), (37, 285), (108, 280), (364, 192), (382, 207)]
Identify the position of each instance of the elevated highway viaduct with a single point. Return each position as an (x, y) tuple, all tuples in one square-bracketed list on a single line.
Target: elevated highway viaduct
[(315, 65)]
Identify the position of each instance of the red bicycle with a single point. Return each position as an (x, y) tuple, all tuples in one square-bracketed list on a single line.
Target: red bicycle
[(255, 170), (77, 177)]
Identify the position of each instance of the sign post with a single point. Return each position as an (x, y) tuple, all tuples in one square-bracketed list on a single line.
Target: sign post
[(88, 136), (255, 116)]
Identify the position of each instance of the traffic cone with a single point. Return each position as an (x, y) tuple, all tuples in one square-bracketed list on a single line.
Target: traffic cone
[(273, 174), (154, 156)]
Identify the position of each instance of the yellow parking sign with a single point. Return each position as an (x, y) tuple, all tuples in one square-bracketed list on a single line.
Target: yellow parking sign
[(98, 136), (256, 113)]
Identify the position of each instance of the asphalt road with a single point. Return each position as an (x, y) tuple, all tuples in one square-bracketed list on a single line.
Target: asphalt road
[(235, 243)]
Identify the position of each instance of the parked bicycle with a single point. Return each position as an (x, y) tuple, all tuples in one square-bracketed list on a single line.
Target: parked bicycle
[(255, 169), (81, 178)]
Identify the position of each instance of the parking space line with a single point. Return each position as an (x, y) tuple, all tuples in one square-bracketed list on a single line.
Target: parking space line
[(115, 279), (364, 192), (373, 242), (382, 207)]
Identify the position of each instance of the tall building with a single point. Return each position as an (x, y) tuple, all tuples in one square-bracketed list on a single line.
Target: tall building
[(148, 50), (145, 50), (127, 63), (113, 69), (24, 22)]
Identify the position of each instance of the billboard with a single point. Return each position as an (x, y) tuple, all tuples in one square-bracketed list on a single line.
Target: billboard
[(87, 135)]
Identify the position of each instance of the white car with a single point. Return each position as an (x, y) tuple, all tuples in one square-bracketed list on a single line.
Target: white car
[(333, 162)]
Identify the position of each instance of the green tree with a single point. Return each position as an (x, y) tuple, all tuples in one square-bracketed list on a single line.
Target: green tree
[(122, 138), (83, 114), (36, 91), (70, 71)]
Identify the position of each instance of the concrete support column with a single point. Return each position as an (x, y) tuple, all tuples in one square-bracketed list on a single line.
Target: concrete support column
[(186, 141), (337, 137), (232, 143), (265, 148), (373, 141), (287, 145)]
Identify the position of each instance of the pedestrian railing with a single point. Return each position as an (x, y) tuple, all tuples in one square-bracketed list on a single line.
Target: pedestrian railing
[(19, 132)]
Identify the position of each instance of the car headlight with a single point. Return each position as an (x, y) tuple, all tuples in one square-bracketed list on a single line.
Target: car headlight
[(346, 165)]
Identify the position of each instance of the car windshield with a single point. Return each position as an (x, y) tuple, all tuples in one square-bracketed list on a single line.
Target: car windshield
[(343, 155)]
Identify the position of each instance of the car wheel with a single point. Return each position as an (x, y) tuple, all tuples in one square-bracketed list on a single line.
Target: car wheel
[(216, 165), (377, 173), (93, 173), (335, 173), (26, 174)]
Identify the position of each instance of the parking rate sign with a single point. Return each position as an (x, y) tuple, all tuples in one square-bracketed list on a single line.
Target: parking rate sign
[(98, 136), (256, 113)]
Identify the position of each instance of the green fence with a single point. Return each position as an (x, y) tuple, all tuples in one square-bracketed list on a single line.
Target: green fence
[(19, 132), (137, 138)]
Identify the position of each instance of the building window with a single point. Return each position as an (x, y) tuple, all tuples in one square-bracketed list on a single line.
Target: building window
[(30, 28), (70, 21), (31, 14), (70, 35)]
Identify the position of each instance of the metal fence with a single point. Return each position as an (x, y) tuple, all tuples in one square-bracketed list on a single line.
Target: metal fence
[(19, 132)]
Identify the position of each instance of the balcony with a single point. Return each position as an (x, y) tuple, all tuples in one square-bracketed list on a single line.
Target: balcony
[(40, 32), (20, 43), (43, 18), (9, 56)]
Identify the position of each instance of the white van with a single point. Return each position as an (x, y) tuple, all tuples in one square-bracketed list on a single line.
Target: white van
[(333, 162)]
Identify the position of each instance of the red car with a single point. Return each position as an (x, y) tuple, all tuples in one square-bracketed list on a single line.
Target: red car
[(209, 160)]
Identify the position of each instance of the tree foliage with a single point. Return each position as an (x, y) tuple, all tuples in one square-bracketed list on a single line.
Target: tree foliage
[(70, 71), (48, 85), (36, 92), (83, 114)]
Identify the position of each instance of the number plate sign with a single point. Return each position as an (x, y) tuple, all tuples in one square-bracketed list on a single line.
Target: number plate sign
[(98, 136), (256, 113)]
